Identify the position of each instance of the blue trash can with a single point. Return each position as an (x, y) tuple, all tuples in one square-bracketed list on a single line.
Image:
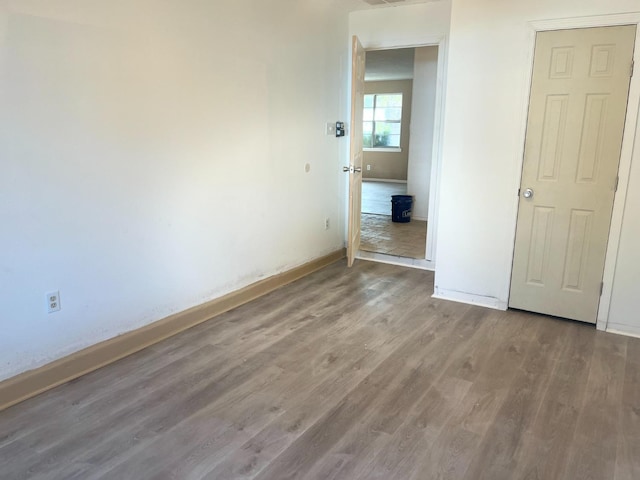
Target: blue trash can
[(401, 208)]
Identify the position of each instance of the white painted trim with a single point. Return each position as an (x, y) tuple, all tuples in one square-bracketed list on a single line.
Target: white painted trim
[(419, 263), (626, 155), (436, 155), (586, 22), (627, 330), (422, 219), (382, 149), (525, 92), (426, 41), (469, 298), (620, 199), (396, 4), (385, 180), (440, 41)]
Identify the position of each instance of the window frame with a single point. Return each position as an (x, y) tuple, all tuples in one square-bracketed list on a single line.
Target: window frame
[(373, 122)]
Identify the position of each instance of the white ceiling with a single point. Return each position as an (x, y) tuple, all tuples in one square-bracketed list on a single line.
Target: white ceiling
[(394, 64)]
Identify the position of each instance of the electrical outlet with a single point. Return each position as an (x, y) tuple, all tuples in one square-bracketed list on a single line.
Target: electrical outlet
[(326, 223), (53, 302), (368, 167)]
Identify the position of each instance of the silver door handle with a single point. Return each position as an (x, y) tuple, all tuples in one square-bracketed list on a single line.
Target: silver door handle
[(528, 193), (357, 169), (346, 169)]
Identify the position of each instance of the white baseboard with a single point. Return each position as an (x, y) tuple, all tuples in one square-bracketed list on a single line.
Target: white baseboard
[(421, 263), (627, 330), (421, 219), (470, 298), (386, 180)]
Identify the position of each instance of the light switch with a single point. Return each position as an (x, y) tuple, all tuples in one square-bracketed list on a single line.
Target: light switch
[(331, 128)]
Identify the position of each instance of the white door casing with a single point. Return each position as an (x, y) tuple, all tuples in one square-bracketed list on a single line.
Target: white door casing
[(356, 153), (574, 135)]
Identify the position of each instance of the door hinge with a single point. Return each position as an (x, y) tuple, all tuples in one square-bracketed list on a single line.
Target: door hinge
[(601, 288), (632, 65), (615, 189)]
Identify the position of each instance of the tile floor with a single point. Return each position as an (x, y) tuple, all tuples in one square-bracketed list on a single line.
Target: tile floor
[(376, 196), (379, 234)]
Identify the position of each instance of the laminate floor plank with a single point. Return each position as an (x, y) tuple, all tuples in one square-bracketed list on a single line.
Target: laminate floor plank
[(458, 442), (97, 429), (323, 358), (399, 455), (253, 456), (544, 454), (192, 378), (145, 433), (508, 431), (628, 451), (351, 453), (317, 441), (200, 388), (594, 445), (346, 374), (225, 330)]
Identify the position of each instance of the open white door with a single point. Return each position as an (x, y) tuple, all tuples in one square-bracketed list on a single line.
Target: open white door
[(355, 167)]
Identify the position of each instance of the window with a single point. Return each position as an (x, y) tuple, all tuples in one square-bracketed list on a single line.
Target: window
[(382, 118)]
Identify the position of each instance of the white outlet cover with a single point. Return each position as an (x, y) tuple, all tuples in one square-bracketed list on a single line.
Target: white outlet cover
[(53, 302)]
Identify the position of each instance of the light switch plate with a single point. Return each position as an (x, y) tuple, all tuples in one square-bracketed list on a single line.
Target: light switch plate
[(331, 128)]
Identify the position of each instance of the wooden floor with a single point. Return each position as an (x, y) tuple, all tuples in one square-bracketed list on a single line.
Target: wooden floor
[(379, 234), (346, 374)]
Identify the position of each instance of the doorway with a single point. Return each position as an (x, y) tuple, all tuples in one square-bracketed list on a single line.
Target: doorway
[(575, 128), (398, 131)]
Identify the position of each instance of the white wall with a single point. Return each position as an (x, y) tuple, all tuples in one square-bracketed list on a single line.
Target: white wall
[(422, 128), (625, 301), (407, 25), (152, 158), (484, 131)]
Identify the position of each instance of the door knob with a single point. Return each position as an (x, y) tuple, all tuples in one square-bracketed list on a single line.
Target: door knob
[(528, 193), (346, 169), (357, 169)]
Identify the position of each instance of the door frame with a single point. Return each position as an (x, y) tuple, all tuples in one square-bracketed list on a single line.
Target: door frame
[(440, 41), (628, 141)]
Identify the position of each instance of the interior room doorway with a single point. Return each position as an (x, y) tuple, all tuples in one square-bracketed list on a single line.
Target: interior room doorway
[(398, 134)]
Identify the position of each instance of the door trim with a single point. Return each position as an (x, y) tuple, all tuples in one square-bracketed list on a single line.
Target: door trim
[(626, 155), (440, 41)]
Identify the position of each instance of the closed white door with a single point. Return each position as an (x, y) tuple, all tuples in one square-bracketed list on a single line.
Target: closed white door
[(574, 136), (355, 168)]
